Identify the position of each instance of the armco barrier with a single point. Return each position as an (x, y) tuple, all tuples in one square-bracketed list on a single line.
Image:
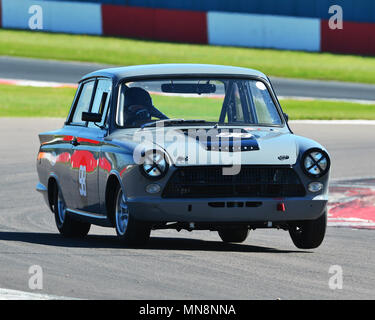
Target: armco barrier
[(69, 17), (264, 31), (159, 24)]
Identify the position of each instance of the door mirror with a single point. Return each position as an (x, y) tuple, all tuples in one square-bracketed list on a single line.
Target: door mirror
[(286, 117), (91, 117)]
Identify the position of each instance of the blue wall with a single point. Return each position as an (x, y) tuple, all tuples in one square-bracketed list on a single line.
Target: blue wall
[(83, 17), (354, 10)]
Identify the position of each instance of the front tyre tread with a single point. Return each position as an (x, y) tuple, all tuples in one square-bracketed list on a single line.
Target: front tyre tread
[(309, 234), (236, 235)]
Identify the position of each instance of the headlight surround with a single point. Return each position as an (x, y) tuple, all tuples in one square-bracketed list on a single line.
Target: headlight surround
[(315, 187), (153, 188), (155, 165), (315, 163)]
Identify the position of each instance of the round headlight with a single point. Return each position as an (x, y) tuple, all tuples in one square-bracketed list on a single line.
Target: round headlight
[(315, 163), (155, 165)]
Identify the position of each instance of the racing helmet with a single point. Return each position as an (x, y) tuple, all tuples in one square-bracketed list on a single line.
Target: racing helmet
[(137, 106)]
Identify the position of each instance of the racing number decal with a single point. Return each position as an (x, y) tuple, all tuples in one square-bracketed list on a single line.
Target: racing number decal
[(82, 180)]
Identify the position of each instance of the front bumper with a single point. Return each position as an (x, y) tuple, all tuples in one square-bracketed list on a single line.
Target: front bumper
[(234, 210)]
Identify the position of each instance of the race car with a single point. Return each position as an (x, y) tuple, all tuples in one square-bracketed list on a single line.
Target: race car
[(182, 146)]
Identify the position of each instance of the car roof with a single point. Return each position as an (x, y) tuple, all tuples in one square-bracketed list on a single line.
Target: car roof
[(184, 69)]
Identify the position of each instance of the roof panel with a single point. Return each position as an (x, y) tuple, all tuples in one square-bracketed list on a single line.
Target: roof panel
[(173, 69)]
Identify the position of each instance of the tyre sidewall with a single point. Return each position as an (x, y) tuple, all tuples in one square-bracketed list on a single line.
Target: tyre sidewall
[(69, 227)]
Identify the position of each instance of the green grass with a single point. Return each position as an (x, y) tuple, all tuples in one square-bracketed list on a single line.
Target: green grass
[(19, 101), (117, 51), (189, 108), (23, 101), (327, 110)]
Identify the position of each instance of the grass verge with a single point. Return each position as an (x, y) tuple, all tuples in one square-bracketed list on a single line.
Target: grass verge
[(24, 101), (119, 51), (20, 101)]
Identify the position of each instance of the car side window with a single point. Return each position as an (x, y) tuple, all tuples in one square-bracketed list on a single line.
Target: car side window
[(101, 100), (264, 107), (83, 103)]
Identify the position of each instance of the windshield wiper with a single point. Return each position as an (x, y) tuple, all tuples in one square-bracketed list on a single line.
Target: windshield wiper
[(172, 122)]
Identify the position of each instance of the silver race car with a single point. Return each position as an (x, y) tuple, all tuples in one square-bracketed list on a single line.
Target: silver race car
[(182, 146)]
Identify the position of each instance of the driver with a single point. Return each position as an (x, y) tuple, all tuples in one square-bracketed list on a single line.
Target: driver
[(138, 108)]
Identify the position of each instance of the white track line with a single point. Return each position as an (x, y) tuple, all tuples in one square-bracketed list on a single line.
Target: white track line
[(32, 83), (8, 294), (350, 224), (360, 101), (36, 83), (338, 122)]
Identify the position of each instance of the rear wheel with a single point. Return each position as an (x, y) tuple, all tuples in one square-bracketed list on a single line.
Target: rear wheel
[(128, 229), (309, 234), (233, 234), (67, 226)]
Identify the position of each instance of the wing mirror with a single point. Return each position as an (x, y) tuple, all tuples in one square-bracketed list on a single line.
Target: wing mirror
[(91, 117), (286, 117)]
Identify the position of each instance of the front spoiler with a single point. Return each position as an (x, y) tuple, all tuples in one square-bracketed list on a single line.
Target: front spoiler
[(207, 210)]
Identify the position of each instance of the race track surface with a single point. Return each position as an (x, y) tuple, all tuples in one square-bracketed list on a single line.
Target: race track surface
[(176, 265), (71, 72)]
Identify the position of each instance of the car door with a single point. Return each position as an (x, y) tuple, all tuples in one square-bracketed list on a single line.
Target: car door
[(86, 150), (66, 139)]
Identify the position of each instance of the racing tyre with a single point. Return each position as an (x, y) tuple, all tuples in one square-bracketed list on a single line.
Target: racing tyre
[(234, 234), (309, 234), (67, 226), (128, 229)]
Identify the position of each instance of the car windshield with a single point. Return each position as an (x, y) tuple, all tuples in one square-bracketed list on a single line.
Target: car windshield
[(234, 102)]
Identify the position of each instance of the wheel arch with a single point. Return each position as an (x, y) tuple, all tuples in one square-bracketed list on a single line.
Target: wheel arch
[(52, 185), (113, 181)]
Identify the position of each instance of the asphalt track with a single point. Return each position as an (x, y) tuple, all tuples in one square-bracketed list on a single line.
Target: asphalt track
[(71, 72), (176, 265)]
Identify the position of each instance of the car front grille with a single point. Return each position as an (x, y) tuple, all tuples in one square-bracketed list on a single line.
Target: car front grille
[(252, 181)]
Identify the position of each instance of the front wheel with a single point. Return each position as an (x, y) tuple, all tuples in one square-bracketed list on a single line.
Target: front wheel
[(128, 229), (233, 234), (309, 234), (67, 226)]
